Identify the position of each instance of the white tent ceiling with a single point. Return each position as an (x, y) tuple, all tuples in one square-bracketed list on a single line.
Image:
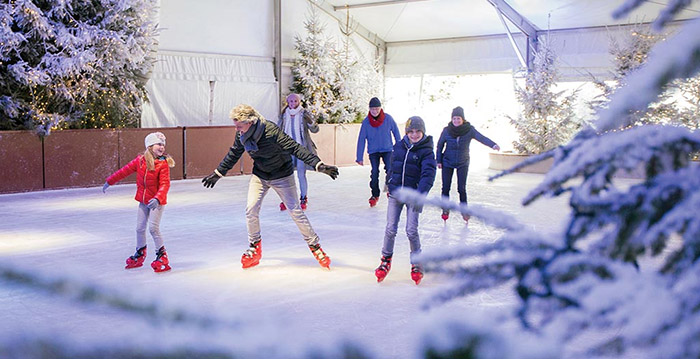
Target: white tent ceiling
[(396, 21)]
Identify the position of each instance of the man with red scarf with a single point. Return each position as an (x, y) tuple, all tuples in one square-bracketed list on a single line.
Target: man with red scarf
[(377, 130)]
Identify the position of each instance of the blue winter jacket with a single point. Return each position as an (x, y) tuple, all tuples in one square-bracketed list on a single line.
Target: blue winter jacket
[(412, 166), (378, 138), (456, 149)]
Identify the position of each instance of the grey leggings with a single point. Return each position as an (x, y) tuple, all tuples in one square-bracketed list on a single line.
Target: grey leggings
[(150, 217)]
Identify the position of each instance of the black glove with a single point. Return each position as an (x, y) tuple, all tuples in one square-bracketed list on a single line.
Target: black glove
[(210, 181), (329, 170)]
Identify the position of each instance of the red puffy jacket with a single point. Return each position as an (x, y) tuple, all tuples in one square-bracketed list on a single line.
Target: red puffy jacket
[(149, 184)]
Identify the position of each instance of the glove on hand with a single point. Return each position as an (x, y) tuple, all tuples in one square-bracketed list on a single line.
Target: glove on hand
[(154, 203), (104, 187), (329, 170), (210, 181)]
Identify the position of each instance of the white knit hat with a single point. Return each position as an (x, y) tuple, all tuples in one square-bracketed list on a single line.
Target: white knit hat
[(153, 138)]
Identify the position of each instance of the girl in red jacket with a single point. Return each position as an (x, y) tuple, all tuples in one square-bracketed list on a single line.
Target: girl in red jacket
[(152, 184)]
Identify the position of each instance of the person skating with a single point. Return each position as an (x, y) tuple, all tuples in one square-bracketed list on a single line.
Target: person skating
[(152, 186), (298, 123), (453, 154), (376, 130), (412, 166), (271, 150)]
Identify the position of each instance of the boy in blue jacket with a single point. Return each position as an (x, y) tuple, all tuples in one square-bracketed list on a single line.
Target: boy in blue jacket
[(413, 166), (455, 139), (377, 129)]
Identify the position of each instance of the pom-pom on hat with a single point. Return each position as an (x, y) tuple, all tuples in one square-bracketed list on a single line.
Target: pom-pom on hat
[(153, 138), (374, 102), (415, 123), (458, 111)]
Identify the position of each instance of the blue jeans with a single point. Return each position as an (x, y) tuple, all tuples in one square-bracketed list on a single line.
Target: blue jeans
[(393, 214), (374, 175), (151, 218), (301, 176), (286, 189), (461, 181)]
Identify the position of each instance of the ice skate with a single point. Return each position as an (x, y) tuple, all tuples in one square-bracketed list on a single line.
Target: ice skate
[(373, 201), (383, 268), (161, 264), (320, 255), (445, 215), (251, 257), (416, 273), (303, 200), (137, 259), (466, 218), (282, 206)]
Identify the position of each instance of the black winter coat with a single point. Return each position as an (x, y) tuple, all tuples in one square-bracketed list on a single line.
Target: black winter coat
[(456, 149), (272, 159), (413, 166)]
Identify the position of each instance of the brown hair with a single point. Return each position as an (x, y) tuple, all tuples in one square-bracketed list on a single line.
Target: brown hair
[(150, 159)]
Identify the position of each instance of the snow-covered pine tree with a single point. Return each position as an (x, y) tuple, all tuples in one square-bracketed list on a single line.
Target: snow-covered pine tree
[(74, 64), (547, 119), (623, 277), (313, 72)]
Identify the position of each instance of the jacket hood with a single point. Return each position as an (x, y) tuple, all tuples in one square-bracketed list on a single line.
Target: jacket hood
[(426, 141)]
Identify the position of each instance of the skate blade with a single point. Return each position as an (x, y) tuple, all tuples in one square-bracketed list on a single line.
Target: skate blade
[(249, 265), (132, 266)]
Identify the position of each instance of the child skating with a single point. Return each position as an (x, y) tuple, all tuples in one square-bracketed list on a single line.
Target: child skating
[(152, 185), (412, 165)]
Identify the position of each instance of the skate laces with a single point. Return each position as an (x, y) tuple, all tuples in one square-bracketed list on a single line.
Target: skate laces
[(318, 252), (251, 251)]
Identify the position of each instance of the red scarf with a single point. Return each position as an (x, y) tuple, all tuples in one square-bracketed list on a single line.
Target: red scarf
[(376, 122)]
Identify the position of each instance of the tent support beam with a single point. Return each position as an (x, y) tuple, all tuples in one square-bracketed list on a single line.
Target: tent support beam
[(277, 21), (524, 25), (360, 30)]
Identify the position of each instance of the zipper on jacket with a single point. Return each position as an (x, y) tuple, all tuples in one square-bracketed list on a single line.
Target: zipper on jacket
[(403, 172)]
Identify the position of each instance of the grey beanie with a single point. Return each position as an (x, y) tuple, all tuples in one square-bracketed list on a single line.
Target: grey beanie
[(415, 123), (458, 111), (374, 102)]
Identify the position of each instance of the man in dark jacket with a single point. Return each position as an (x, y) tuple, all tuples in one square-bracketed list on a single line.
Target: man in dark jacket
[(271, 150), (412, 165)]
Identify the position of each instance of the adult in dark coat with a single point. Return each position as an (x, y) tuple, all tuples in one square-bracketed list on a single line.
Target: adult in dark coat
[(271, 150), (453, 154)]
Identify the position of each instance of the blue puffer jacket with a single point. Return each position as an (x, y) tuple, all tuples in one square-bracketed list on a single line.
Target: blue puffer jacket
[(456, 149), (412, 165)]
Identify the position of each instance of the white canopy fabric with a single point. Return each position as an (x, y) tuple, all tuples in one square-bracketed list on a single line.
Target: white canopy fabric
[(200, 89)]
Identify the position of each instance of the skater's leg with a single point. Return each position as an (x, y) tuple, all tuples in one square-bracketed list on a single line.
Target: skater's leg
[(374, 174), (412, 234), (154, 225), (287, 190), (446, 180), (386, 157), (462, 182), (393, 213), (141, 222), (256, 193), (301, 175)]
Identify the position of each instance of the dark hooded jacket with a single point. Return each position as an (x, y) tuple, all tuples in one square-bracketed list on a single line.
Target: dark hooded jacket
[(271, 150), (455, 141), (412, 166)]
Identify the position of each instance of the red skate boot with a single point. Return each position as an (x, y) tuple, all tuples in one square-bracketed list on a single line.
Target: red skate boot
[(320, 255), (466, 218), (137, 259), (161, 264), (282, 206), (251, 257), (303, 201), (383, 268), (373, 201), (445, 215), (416, 273)]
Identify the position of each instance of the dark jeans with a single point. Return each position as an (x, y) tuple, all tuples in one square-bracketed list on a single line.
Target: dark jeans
[(374, 175), (461, 181)]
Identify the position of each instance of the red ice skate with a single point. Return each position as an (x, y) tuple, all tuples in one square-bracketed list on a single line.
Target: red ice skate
[(137, 259), (416, 273), (320, 255), (251, 257), (383, 268), (373, 201), (466, 218), (445, 215), (161, 264), (282, 206), (303, 201)]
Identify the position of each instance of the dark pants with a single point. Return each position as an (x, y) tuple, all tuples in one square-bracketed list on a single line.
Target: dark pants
[(461, 181), (374, 175)]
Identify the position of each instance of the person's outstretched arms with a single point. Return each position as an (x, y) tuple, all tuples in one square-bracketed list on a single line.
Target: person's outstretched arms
[(329, 170), (210, 181)]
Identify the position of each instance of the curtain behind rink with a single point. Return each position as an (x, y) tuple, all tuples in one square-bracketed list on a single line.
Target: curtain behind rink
[(198, 89)]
